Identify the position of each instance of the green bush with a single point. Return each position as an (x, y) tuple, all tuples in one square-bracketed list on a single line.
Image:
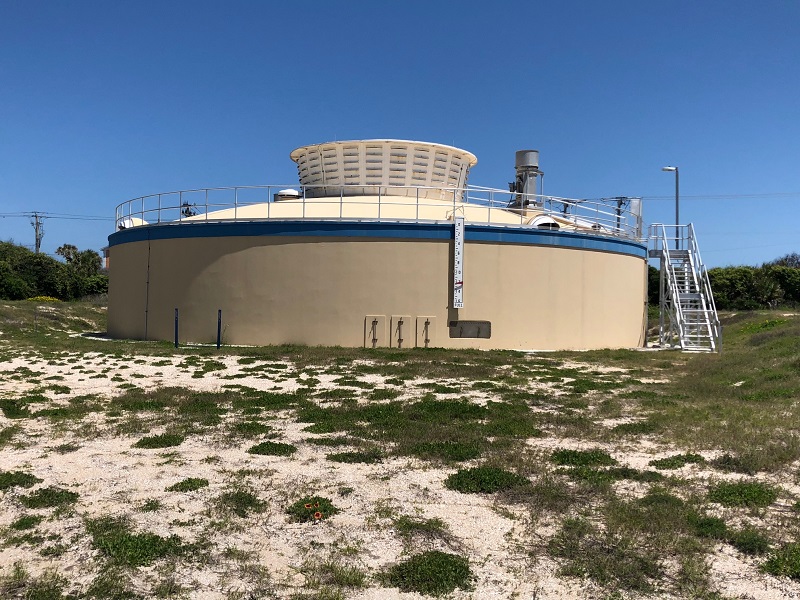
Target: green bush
[(582, 458), (676, 461), (365, 456), (240, 502), (433, 573), (448, 451), (752, 494), (164, 440), (273, 449), (313, 508), (113, 538), (9, 479), (749, 541), (785, 561), (483, 480), (708, 527), (49, 497), (189, 484)]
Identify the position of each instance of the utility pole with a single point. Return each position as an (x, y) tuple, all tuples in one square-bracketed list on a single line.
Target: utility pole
[(37, 221)]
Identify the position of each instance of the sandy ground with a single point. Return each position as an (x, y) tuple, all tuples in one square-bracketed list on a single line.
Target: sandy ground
[(113, 478)]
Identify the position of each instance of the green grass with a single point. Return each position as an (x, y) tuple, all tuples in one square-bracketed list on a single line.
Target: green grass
[(114, 538), (273, 449), (332, 575), (189, 484), (164, 440), (251, 429), (431, 573), (240, 502), (752, 494), (9, 479), (410, 528), (447, 451), (483, 480), (599, 477), (676, 461), (26, 522), (582, 458), (49, 497), (611, 559), (784, 562), (749, 541), (365, 456), (704, 526)]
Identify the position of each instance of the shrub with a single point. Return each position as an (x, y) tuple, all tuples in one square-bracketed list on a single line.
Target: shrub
[(407, 527), (434, 573), (49, 497), (483, 479), (273, 449), (708, 527), (240, 502), (749, 541), (9, 479), (310, 509), (582, 458), (448, 451), (604, 557), (366, 456), (751, 494), (165, 440), (26, 522), (113, 538), (189, 484), (676, 461), (251, 428), (785, 561)]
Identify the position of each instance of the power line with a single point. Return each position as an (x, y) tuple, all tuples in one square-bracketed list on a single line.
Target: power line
[(726, 196), (49, 215)]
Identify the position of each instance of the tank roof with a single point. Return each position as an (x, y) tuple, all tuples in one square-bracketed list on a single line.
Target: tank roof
[(472, 159)]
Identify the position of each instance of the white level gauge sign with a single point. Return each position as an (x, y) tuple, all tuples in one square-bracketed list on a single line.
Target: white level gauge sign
[(458, 264)]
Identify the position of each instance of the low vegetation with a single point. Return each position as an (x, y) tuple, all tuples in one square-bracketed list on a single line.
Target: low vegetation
[(622, 472)]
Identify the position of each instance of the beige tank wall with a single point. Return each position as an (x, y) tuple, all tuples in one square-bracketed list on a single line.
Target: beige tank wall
[(318, 291)]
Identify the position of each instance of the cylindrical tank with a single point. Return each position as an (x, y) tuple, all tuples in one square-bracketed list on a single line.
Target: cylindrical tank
[(527, 159)]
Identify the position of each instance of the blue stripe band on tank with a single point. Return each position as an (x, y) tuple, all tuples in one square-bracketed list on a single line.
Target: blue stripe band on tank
[(368, 229)]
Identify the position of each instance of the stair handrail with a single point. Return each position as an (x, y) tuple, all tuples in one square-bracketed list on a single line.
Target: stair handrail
[(676, 317), (706, 292)]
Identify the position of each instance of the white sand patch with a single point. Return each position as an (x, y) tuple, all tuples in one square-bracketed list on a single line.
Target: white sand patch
[(115, 479)]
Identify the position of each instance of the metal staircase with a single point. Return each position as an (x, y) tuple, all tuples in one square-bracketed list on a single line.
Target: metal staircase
[(687, 315)]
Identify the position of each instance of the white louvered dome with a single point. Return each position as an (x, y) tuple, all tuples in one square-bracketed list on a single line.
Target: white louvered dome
[(396, 167)]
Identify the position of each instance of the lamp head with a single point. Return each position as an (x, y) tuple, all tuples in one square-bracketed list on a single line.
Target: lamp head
[(669, 168)]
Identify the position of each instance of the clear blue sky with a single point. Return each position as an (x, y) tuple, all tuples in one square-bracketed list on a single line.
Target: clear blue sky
[(105, 101)]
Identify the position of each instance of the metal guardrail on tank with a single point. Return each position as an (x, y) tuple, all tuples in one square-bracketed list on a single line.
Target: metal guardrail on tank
[(605, 216)]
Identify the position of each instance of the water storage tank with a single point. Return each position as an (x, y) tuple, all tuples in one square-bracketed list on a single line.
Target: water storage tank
[(364, 167)]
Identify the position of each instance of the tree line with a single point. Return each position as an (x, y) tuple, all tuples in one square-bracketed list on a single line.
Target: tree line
[(26, 274), (773, 284)]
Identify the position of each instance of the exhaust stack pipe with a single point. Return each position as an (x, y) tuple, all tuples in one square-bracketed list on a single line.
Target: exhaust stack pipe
[(526, 164)]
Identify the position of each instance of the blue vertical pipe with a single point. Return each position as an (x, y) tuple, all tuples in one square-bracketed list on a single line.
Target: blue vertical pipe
[(219, 328), (176, 327)]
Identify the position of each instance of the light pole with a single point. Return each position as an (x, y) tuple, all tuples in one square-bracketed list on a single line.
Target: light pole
[(677, 204)]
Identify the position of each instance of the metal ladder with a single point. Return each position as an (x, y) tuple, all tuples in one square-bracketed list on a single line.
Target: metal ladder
[(687, 315)]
